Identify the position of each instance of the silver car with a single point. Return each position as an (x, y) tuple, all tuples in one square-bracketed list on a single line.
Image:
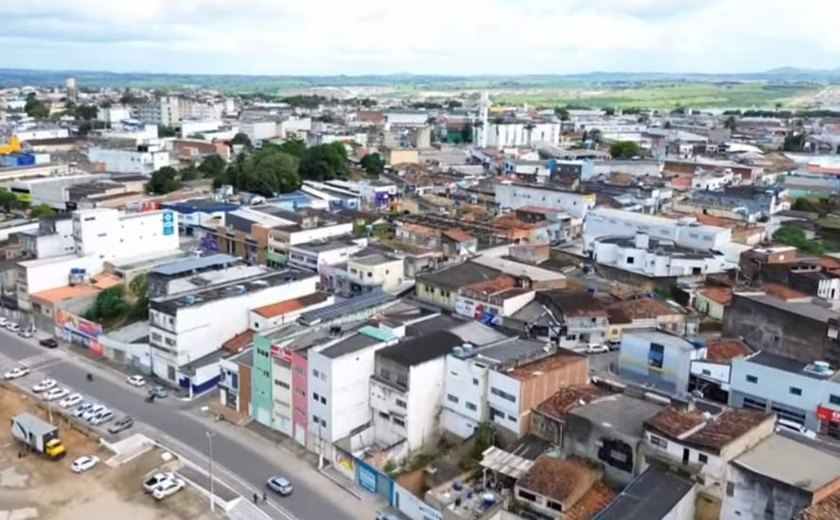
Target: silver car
[(280, 485)]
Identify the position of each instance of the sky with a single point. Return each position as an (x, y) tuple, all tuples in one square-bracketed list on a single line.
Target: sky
[(452, 37)]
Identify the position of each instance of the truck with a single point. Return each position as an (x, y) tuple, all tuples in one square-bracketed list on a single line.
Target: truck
[(38, 435)]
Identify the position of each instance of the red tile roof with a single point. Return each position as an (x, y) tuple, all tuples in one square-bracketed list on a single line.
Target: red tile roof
[(568, 398), (557, 361), (458, 235), (724, 350), (563, 480), (826, 509), (721, 295), (674, 422), (783, 292), (287, 306), (239, 342), (592, 502), (726, 428), (646, 308)]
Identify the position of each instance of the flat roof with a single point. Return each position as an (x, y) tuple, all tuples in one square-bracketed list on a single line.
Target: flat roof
[(71, 292), (192, 264), (350, 344), (642, 218), (415, 351), (804, 309), (558, 361), (286, 306), (619, 412), (651, 496), (663, 338), (790, 462), (345, 307), (518, 269)]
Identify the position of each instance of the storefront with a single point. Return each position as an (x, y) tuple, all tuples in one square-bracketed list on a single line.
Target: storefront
[(829, 421)]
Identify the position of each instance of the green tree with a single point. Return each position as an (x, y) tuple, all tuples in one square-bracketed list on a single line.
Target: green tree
[(190, 173), (212, 166), (373, 164), (165, 180), (294, 146), (323, 162), (242, 139), (562, 113), (271, 172), (139, 287), (41, 211), (86, 112), (795, 237), (624, 150), (35, 107), (731, 123), (8, 200), (167, 131), (609, 111), (341, 149), (794, 143), (806, 204), (109, 304)]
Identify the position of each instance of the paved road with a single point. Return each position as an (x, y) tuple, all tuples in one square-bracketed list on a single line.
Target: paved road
[(248, 466)]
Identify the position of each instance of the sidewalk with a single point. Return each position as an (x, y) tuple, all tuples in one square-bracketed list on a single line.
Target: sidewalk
[(302, 465)]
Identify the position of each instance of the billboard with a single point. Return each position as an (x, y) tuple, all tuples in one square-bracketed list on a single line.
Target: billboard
[(79, 331)]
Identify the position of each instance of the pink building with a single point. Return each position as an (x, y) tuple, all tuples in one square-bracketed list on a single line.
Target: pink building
[(299, 388)]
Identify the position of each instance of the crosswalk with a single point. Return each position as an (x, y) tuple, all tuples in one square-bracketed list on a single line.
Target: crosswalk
[(43, 360), (245, 510)]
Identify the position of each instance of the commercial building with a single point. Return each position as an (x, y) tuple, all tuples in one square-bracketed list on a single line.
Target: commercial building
[(142, 159), (52, 191), (315, 255), (515, 195), (196, 272), (658, 359), (53, 237), (656, 258)]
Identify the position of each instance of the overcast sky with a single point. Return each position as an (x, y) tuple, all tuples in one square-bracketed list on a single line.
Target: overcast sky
[(418, 36)]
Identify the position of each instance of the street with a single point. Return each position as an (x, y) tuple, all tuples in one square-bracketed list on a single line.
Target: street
[(233, 458)]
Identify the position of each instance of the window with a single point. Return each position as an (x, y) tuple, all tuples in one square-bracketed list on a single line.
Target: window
[(706, 372), (730, 489), (316, 419), (511, 418), (453, 373), (451, 398), (555, 505), (658, 441), (630, 260), (316, 373), (656, 356), (471, 406), (701, 457), (401, 403), (315, 396), (323, 400), (282, 384), (755, 404), (475, 382), (503, 394), (526, 496), (752, 379), (795, 391), (834, 399), (399, 422), (384, 415)]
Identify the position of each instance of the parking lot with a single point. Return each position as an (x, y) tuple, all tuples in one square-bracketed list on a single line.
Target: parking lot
[(31, 486)]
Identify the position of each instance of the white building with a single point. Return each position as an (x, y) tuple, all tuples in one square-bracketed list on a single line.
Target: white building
[(405, 119), (406, 391), (313, 255), (656, 258), (376, 270), (51, 191), (301, 227), (192, 127), (512, 134), (163, 111), (37, 134), (143, 159), (113, 114), (53, 237), (604, 222), (514, 195), (259, 130), (139, 133), (186, 327), (294, 126), (538, 169)]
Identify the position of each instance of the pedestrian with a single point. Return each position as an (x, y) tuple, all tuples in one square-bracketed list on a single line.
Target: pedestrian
[(265, 496), (256, 498)]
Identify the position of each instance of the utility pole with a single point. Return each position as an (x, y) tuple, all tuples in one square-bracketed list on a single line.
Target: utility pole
[(212, 491)]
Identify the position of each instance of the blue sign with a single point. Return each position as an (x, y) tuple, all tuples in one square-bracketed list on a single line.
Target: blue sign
[(368, 477), (168, 223)]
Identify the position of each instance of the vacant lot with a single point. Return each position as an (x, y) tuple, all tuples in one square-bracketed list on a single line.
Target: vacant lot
[(102, 493)]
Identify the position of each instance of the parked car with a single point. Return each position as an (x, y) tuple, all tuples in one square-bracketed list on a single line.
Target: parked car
[(49, 343), (56, 393), (795, 427), (92, 411), (158, 391), (597, 349), (123, 423), (25, 333), (3, 321), (82, 408), (85, 463), (13, 327), (167, 488), (102, 417), (280, 485), (43, 386), (70, 401), (136, 381), (152, 482), (16, 373)]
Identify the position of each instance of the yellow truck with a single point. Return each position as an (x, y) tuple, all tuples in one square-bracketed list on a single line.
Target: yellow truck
[(38, 435)]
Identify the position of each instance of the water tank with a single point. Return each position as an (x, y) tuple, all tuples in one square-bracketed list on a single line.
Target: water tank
[(821, 367), (190, 299), (458, 352), (642, 241), (239, 289)]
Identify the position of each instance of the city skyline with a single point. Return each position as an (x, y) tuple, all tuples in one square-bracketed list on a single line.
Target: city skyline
[(435, 37)]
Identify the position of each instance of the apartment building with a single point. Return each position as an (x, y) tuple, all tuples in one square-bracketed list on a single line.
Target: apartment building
[(515, 195), (654, 258), (144, 159)]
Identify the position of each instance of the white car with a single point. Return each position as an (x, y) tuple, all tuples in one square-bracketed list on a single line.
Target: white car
[(92, 411), (25, 333), (56, 393), (136, 381), (16, 373), (158, 478), (795, 427), (597, 349), (85, 463), (82, 408), (3, 321), (13, 327), (167, 487), (102, 417), (43, 386), (70, 401)]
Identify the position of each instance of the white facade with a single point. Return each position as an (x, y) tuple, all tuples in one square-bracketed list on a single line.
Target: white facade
[(263, 323), (295, 126), (34, 276), (464, 396), (42, 244), (198, 327), (36, 134), (387, 273), (468, 305), (189, 128), (503, 396), (278, 242), (635, 255), (512, 135), (51, 190), (129, 161), (110, 234), (405, 119), (604, 222), (113, 114), (259, 130), (282, 394), (315, 257), (514, 196), (138, 133), (710, 371)]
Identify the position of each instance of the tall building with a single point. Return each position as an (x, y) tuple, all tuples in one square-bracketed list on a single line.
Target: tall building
[(72, 90)]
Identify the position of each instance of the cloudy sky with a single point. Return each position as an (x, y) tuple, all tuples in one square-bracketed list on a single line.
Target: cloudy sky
[(422, 36)]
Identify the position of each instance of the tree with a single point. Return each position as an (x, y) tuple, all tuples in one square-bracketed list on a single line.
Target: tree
[(165, 180), (731, 123), (341, 149), (212, 166), (109, 304), (86, 112), (373, 164), (35, 107), (294, 146), (271, 172), (794, 143), (41, 211), (139, 287), (806, 204), (609, 111), (624, 150), (795, 237), (190, 173), (242, 139), (8, 200), (561, 113), (323, 162), (167, 131)]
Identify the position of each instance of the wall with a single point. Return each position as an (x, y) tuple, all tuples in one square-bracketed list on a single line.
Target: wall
[(411, 506), (300, 398), (282, 393), (610, 222), (751, 494), (40, 275), (715, 371), (262, 386), (537, 389), (513, 196), (128, 161), (424, 402), (466, 381), (439, 296), (510, 417), (633, 363)]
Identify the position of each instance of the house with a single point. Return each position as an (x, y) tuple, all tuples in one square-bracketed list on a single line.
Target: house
[(805, 393), (492, 301), (526, 275), (280, 313), (548, 418), (778, 479), (235, 381), (458, 244), (375, 271), (162, 279), (514, 392), (656, 494), (581, 316), (712, 375), (713, 301), (647, 313), (406, 390), (321, 253), (562, 488), (441, 287), (658, 359)]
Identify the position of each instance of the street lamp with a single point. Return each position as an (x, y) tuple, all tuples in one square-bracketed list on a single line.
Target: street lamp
[(212, 492)]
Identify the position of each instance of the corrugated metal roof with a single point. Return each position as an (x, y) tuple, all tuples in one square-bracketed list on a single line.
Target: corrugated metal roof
[(346, 307), (191, 264)]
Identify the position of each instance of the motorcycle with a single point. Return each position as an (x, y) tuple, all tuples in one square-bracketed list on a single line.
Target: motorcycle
[(90, 377)]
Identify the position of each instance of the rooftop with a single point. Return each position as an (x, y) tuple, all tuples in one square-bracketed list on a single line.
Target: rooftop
[(321, 246), (71, 292), (591, 503), (190, 265), (239, 342), (790, 462), (460, 275), (646, 308), (651, 220), (562, 480), (568, 398), (659, 247), (719, 295), (374, 259), (347, 307), (724, 350), (650, 496), (727, 427), (350, 344), (574, 303), (803, 309), (826, 509), (558, 361), (675, 421), (418, 350), (518, 269), (620, 412), (663, 338), (287, 306), (458, 236)]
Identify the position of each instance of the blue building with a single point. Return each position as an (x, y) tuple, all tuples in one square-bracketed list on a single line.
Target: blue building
[(198, 212), (658, 359)]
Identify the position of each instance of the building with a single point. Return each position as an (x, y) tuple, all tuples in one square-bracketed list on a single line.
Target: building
[(805, 393), (658, 359), (802, 330), (304, 226), (579, 318), (748, 202), (315, 255), (441, 288), (199, 212), (52, 191), (53, 237), (648, 313), (656, 494), (162, 111), (187, 327), (515, 195), (712, 376), (516, 133), (168, 279), (656, 258), (686, 232), (235, 381), (142, 159), (548, 419), (375, 270), (570, 487)]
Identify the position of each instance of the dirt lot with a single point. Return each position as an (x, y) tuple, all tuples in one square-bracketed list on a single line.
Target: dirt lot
[(100, 494)]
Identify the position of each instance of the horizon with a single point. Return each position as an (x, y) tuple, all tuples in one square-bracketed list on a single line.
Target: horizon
[(468, 38)]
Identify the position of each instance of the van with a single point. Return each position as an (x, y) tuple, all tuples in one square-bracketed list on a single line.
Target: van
[(794, 427)]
